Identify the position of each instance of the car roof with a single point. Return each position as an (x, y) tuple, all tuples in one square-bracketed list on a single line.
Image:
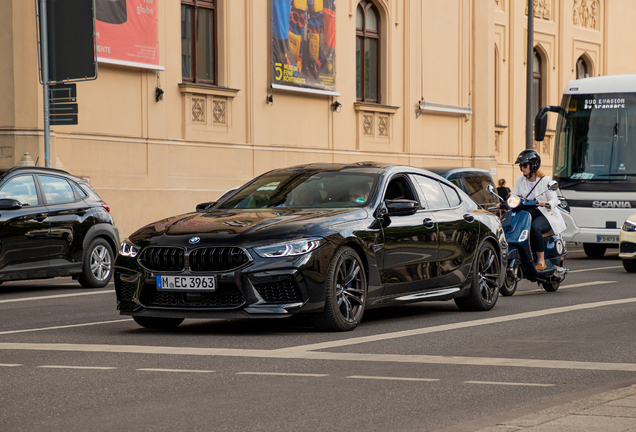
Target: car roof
[(447, 171), (34, 169)]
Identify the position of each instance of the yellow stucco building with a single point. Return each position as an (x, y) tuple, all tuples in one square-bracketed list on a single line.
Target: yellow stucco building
[(445, 86)]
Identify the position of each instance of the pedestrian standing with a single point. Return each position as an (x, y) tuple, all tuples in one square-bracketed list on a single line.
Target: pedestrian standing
[(502, 190)]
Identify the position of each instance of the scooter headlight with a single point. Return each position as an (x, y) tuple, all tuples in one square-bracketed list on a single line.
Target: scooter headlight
[(513, 202)]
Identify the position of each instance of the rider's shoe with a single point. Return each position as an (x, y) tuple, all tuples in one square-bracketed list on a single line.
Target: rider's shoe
[(540, 267)]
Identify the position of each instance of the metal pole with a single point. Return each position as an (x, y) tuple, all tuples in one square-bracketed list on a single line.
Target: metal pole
[(44, 47), (530, 58)]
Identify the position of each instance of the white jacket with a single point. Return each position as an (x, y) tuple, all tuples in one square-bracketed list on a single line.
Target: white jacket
[(552, 215)]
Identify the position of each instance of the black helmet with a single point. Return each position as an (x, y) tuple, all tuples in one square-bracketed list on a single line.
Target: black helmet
[(530, 156)]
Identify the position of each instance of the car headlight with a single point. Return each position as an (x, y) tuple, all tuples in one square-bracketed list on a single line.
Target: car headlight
[(290, 248), (629, 226), (129, 249), (513, 202)]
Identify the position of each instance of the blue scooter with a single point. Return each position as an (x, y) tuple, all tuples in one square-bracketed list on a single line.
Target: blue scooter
[(521, 261)]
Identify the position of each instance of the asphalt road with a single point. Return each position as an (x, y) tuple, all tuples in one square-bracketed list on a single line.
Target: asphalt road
[(70, 362)]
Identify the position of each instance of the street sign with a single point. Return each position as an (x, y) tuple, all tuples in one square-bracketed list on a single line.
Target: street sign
[(63, 106)]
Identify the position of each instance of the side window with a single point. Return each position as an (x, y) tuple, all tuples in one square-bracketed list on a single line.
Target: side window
[(21, 188), (56, 190), (433, 192), (399, 188), (451, 195), (79, 191), (477, 189)]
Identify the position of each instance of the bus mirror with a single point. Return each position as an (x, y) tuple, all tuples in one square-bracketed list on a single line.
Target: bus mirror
[(541, 123)]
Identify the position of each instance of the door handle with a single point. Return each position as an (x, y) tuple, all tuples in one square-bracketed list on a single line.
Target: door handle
[(39, 218), (80, 212), (429, 223), (469, 217)]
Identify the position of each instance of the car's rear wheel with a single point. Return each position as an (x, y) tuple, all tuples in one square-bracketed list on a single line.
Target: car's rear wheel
[(158, 323), (484, 290), (594, 250), (630, 265), (346, 293), (98, 265)]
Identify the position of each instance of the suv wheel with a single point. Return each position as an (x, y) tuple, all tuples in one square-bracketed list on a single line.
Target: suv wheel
[(98, 265)]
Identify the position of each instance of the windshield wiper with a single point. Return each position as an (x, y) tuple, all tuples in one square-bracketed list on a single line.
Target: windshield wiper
[(618, 175), (576, 182)]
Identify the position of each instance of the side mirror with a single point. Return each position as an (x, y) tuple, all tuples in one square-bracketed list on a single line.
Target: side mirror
[(491, 189), (205, 206), (553, 185), (541, 120), (402, 207), (10, 204)]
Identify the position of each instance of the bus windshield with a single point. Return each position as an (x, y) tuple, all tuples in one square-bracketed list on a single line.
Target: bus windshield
[(596, 141)]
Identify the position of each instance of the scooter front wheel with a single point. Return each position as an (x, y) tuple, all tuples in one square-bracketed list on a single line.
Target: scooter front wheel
[(510, 284)]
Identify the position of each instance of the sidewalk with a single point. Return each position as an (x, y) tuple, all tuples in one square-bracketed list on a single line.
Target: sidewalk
[(613, 411)]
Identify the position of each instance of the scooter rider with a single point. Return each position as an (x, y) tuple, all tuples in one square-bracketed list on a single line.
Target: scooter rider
[(546, 216)]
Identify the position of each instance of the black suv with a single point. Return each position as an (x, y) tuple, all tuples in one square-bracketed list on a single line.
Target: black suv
[(54, 224)]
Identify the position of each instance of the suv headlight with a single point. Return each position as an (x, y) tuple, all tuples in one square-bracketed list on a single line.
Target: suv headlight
[(128, 249), (629, 226), (290, 248), (513, 202)]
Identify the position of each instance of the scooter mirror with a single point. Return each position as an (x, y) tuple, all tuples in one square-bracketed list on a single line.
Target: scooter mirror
[(553, 185), (491, 189)]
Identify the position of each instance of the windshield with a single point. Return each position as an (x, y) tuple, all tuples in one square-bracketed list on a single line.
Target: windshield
[(304, 190), (597, 139)]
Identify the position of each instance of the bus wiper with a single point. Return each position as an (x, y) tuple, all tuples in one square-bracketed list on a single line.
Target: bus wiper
[(618, 175), (576, 182)]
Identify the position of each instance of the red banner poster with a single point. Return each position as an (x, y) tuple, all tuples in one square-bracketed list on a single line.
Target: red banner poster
[(127, 33)]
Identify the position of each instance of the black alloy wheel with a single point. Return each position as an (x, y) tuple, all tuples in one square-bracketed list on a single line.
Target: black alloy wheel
[(630, 265), (98, 265), (594, 250), (484, 290), (346, 293), (158, 323)]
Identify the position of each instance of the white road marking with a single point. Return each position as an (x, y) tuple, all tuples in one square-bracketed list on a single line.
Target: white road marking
[(508, 383), (540, 290), (77, 367), (9, 365), (23, 299), (176, 370), (391, 378), (597, 268), (66, 326), (283, 374)]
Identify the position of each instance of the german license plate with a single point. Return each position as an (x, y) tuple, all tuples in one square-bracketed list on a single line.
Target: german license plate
[(607, 239), (186, 283)]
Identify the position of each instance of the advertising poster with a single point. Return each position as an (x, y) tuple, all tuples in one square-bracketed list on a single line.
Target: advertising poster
[(127, 33), (304, 45)]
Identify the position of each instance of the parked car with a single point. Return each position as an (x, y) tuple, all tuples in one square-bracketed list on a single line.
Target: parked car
[(627, 244), (326, 240), (473, 181), (54, 224)]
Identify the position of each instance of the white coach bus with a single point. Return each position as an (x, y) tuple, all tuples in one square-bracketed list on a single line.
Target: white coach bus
[(595, 158)]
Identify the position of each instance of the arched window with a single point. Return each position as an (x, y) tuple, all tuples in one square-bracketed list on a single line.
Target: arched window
[(537, 83), (582, 70), (367, 52)]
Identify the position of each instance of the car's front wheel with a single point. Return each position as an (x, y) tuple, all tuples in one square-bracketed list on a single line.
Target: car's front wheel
[(630, 265), (346, 293), (158, 323), (98, 265), (484, 289)]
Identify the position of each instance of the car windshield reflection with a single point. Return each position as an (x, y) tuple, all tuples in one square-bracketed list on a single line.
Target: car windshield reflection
[(304, 190)]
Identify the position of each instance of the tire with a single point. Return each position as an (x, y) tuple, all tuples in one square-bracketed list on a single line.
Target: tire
[(593, 250), (158, 323), (345, 293), (484, 290), (98, 265), (551, 286), (510, 285), (630, 265)]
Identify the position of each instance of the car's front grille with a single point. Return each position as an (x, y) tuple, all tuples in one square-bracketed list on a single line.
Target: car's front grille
[(628, 247), (279, 292), (217, 259), (163, 259), (226, 295)]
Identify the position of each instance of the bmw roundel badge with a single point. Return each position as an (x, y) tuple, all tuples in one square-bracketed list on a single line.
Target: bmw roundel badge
[(195, 240)]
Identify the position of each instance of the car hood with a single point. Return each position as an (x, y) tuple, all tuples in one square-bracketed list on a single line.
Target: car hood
[(245, 227)]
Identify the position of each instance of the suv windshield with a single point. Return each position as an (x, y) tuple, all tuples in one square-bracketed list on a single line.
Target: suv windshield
[(304, 190)]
